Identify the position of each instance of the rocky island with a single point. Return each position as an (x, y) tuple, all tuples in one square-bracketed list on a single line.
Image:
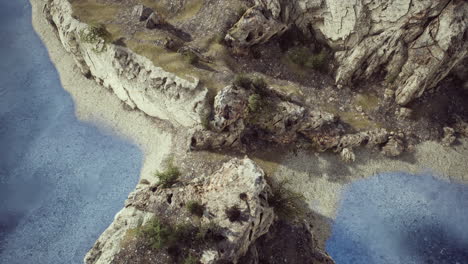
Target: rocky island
[(253, 114)]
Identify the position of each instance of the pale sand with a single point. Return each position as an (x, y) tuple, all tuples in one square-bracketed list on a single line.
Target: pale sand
[(99, 106), (320, 177)]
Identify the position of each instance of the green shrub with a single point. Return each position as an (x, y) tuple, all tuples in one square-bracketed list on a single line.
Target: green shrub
[(233, 213), (286, 203), (303, 57), (157, 234), (94, 33), (317, 61), (195, 208), (260, 84), (299, 55), (255, 103), (191, 259), (242, 80), (168, 177)]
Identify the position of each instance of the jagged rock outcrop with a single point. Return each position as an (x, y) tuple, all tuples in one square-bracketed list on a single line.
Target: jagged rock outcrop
[(274, 120), (133, 78), (283, 122), (239, 182), (108, 245), (411, 44)]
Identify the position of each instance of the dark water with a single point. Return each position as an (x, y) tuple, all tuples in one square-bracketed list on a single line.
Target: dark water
[(61, 181), (401, 219)]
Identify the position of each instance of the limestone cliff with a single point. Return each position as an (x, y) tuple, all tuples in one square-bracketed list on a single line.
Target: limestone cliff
[(133, 78), (412, 45)]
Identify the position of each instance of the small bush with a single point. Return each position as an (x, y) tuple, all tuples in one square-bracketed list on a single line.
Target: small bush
[(242, 80), (157, 234), (195, 208), (317, 61), (233, 213), (243, 196), (185, 234), (303, 57), (255, 103), (168, 177), (286, 203), (191, 259), (260, 84)]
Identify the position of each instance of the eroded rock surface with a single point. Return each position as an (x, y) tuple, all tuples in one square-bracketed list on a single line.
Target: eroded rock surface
[(239, 182), (412, 45), (133, 78)]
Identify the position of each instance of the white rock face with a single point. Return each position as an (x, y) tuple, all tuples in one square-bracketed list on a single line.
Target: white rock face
[(216, 193), (133, 78), (412, 44), (108, 244)]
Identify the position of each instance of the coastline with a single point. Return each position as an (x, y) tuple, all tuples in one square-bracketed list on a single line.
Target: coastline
[(96, 105), (320, 177)]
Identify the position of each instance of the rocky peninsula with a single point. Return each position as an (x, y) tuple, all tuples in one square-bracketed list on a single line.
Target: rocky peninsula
[(254, 114)]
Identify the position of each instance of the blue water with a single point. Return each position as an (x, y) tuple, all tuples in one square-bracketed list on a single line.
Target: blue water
[(401, 219), (61, 180)]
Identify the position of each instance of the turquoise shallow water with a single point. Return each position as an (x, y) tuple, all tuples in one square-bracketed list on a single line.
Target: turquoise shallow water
[(401, 218), (61, 180)]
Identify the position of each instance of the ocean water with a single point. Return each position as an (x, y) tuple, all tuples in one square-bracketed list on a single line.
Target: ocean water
[(61, 180), (398, 218)]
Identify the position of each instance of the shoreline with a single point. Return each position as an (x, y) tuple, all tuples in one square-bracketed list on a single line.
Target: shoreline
[(320, 177), (96, 105)]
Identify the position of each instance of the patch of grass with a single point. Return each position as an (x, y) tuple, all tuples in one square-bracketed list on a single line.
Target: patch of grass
[(95, 33), (91, 11), (255, 103), (259, 84), (157, 234), (286, 203), (368, 101), (191, 259), (169, 176), (195, 208), (233, 213), (303, 57)]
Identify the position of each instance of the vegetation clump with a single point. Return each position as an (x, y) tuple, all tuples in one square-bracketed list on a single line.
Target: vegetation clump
[(169, 176), (191, 259), (286, 203), (303, 57), (178, 240), (157, 234), (255, 103), (242, 80), (233, 213), (195, 208), (95, 33)]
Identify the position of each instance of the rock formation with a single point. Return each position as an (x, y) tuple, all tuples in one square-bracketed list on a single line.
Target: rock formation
[(239, 183), (411, 45), (133, 78)]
